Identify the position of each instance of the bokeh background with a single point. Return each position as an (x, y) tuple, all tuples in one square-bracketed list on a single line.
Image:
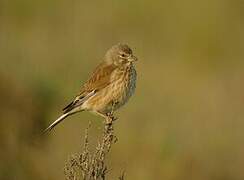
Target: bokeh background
[(186, 119)]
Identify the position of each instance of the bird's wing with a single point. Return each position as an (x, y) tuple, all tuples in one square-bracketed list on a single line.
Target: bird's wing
[(99, 79)]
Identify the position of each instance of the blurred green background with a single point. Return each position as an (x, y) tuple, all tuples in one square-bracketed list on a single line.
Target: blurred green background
[(184, 122)]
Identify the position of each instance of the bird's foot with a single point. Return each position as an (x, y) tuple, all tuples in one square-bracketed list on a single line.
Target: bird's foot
[(111, 117), (109, 122)]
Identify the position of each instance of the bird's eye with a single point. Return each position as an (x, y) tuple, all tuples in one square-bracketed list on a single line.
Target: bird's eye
[(122, 55)]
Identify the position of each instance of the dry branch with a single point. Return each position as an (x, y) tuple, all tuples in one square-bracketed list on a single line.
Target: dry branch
[(91, 166)]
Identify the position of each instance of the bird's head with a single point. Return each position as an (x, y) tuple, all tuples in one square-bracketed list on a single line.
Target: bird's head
[(120, 55)]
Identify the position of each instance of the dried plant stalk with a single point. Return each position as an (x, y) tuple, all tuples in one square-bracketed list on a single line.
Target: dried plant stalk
[(91, 166)]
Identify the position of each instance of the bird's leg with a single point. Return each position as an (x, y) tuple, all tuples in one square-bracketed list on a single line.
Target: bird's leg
[(111, 113), (108, 121), (111, 116), (108, 118)]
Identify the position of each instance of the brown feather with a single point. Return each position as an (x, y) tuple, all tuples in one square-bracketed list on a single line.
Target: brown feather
[(99, 79)]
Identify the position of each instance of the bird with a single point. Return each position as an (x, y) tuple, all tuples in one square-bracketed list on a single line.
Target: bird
[(109, 87)]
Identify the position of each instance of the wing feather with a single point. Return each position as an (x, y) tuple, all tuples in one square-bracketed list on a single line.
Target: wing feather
[(99, 79)]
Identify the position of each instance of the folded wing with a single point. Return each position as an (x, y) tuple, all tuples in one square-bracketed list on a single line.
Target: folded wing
[(100, 78)]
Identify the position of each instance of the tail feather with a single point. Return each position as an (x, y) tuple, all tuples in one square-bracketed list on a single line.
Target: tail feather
[(71, 108), (69, 105), (56, 122), (79, 100)]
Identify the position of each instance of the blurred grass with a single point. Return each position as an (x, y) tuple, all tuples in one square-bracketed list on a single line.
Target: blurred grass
[(185, 120)]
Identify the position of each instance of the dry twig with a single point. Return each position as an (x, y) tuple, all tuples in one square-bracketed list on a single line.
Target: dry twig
[(91, 166)]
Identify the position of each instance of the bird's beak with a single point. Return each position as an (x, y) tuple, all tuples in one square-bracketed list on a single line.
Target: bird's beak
[(132, 58)]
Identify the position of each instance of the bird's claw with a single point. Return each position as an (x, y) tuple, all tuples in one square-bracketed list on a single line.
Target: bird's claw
[(111, 117)]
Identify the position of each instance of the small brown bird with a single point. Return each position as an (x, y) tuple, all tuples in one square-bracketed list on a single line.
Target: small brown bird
[(110, 86)]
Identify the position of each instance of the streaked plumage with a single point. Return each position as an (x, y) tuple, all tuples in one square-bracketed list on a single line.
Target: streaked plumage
[(110, 86)]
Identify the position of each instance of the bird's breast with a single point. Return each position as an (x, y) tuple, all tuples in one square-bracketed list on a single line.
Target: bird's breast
[(123, 86)]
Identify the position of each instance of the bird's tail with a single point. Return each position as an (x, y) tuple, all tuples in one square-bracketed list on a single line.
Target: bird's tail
[(56, 122)]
